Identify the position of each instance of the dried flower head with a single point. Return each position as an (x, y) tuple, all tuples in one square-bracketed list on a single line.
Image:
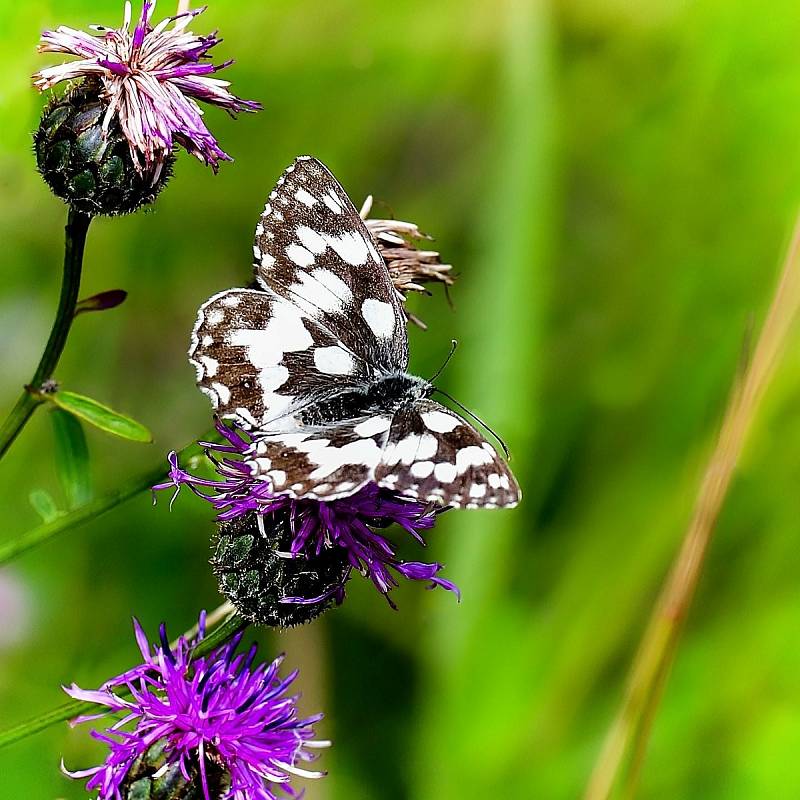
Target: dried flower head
[(410, 267), (353, 523), (215, 725), (150, 79)]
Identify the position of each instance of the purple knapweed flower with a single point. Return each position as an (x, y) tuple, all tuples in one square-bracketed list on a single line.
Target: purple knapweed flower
[(215, 713), (354, 523), (150, 78)]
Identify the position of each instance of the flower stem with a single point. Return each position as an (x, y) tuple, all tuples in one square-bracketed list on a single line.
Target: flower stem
[(74, 245), (100, 505), (74, 708), (624, 749)]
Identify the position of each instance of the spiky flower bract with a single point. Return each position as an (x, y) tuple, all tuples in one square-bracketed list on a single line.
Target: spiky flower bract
[(355, 523), (215, 722), (411, 266), (150, 79)]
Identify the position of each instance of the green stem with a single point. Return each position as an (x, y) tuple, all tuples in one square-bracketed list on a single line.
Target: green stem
[(68, 521), (75, 243), (75, 708)]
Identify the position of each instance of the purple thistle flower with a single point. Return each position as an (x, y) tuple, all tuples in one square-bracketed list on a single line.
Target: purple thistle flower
[(151, 78), (352, 522), (212, 712)]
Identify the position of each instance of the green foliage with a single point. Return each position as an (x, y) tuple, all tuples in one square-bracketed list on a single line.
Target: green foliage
[(43, 504), (72, 458), (102, 417), (614, 183)]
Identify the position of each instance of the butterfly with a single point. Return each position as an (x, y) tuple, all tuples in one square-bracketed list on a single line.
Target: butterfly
[(313, 364)]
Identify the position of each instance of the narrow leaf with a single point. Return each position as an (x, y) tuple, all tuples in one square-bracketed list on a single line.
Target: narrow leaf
[(72, 458), (102, 301), (44, 505), (100, 416)]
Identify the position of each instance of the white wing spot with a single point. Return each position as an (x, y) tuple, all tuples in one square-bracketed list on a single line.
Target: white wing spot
[(267, 260), (363, 452), (350, 247), (312, 240), (372, 426), (278, 477), (313, 294), (404, 451), (231, 301), (494, 480), (223, 392), (306, 198), (428, 445), (335, 284), (477, 490), (215, 317), (422, 469), (299, 255), (211, 365), (333, 360), (439, 421), (380, 318), (444, 472), (472, 456), (332, 201)]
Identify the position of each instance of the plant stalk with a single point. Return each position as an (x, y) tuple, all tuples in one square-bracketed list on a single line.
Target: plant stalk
[(100, 505), (228, 628), (624, 749), (74, 245)]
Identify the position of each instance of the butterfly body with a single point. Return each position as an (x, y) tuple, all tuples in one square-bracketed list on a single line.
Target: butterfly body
[(314, 364), (388, 393)]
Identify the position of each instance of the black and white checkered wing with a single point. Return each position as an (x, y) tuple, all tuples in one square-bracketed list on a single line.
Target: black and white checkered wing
[(260, 358), (313, 249), (434, 455), (325, 463)]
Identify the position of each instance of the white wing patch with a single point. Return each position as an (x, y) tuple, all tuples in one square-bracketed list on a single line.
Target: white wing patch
[(334, 360), (379, 316)]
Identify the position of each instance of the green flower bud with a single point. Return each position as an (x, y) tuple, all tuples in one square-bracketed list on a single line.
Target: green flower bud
[(255, 573), (89, 168)]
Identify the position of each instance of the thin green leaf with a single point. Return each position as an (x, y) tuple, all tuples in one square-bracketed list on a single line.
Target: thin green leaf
[(44, 505), (72, 458), (100, 416)]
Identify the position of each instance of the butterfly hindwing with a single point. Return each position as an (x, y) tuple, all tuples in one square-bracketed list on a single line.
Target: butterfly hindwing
[(432, 454), (322, 463), (313, 249), (259, 357)]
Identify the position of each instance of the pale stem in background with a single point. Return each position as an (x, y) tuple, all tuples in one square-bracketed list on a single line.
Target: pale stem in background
[(626, 742), (183, 6), (306, 648)]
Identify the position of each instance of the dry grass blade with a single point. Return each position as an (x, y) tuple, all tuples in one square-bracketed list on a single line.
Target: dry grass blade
[(626, 741)]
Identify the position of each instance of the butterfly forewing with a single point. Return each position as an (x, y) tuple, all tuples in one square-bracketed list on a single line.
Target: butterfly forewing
[(258, 357), (434, 455), (313, 249)]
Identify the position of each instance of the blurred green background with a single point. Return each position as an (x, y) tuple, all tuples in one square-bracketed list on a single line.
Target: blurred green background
[(615, 182)]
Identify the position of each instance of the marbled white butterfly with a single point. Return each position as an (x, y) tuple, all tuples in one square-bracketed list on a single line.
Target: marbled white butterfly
[(313, 363)]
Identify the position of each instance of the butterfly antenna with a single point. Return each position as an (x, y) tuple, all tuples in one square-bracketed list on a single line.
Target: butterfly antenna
[(453, 347), (478, 420)]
